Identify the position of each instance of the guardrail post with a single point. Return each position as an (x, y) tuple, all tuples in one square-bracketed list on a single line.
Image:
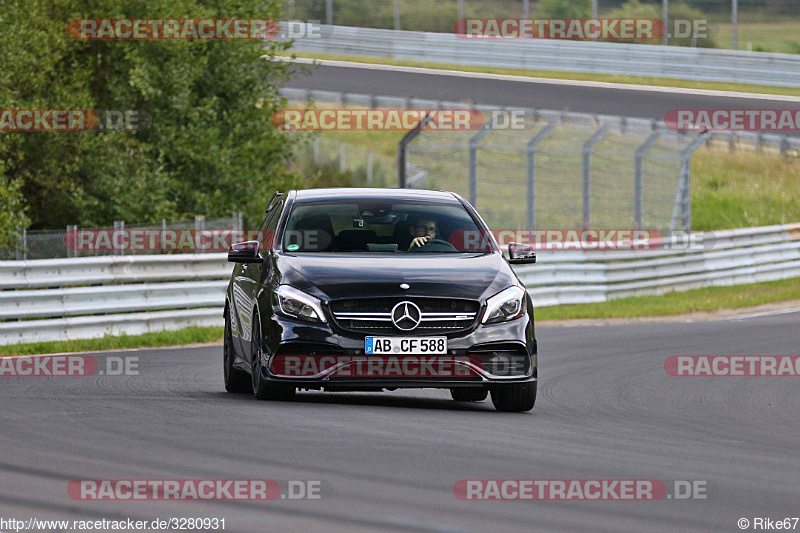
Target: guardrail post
[(402, 146), (538, 138), (587, 174), (474, 144), (784, 144), (341, 158), (369, 167), (315, 149), (637, 180)]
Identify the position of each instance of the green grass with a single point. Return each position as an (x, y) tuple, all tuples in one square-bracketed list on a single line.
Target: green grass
[(561, 75), (780, 37), (743, 189), (707, 299), (148, 340)]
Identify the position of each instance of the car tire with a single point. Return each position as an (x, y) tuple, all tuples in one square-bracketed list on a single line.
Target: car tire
[(235, 380), (471, 394), (514, 399), (263, 389)]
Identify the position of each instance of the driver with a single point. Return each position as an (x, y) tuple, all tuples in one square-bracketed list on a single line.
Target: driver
[(422, 228)]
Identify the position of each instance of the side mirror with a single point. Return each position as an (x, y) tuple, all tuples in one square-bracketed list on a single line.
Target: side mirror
[(521, 254), (245, 252)]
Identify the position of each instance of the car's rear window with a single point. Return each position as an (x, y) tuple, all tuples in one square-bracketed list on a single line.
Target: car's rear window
[(383, 226)]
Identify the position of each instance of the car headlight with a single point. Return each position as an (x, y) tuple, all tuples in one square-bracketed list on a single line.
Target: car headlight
[(506, 305), (294, 303)]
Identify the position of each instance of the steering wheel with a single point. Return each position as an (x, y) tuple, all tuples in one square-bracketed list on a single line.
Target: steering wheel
[(435, 245)]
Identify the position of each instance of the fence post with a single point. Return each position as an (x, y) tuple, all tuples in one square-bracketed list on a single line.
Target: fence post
[(539, 137), (474, 144), (683, 199), (20, 247), (119, 225), (587, 174), (637, 180), (71, 243), (369, 167), (402, 146)]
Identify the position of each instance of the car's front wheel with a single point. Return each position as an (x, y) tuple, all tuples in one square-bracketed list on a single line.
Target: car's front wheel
[(235, 379), (514, 399), (263, 389), (471, 394)]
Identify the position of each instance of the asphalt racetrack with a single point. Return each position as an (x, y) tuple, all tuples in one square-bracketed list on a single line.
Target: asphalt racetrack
[(652, 102), (607, 409)]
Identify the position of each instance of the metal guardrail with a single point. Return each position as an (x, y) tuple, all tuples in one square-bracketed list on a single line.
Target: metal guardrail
[(706, 64), (89, 297), (60, 299), (732, 257)]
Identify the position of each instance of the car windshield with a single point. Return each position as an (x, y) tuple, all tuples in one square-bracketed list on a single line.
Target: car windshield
[(383, 226)]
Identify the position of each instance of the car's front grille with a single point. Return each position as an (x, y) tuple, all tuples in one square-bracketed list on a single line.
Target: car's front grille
[(374, 315)]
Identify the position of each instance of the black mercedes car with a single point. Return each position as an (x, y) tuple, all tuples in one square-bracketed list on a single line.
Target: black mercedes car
[(378, 289)]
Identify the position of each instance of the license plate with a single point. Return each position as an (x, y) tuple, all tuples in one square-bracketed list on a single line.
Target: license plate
[(406, 345)]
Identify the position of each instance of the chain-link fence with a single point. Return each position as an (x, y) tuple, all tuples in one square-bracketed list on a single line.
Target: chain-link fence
[(555, 169), (173, 236), (564, 170), (364, 167)]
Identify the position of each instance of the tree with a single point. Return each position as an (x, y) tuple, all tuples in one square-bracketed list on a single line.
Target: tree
[(208, 146), (12, 212)]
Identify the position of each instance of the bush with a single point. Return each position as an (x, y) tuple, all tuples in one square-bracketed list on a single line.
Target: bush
[(574, 9), (677, 10), (12, 212), (209, 147)]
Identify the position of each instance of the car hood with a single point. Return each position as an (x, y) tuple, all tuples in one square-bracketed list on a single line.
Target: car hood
[(334, 276)]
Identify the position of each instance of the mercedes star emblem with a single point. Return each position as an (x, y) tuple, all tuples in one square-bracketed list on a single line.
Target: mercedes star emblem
[(406, 316)]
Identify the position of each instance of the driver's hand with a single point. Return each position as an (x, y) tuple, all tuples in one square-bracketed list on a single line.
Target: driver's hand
[(419, 241)]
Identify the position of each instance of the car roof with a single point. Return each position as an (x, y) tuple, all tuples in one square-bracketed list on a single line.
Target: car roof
[(364, 193)]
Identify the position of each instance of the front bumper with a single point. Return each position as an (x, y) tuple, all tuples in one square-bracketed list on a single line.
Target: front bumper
[(488, 356)]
